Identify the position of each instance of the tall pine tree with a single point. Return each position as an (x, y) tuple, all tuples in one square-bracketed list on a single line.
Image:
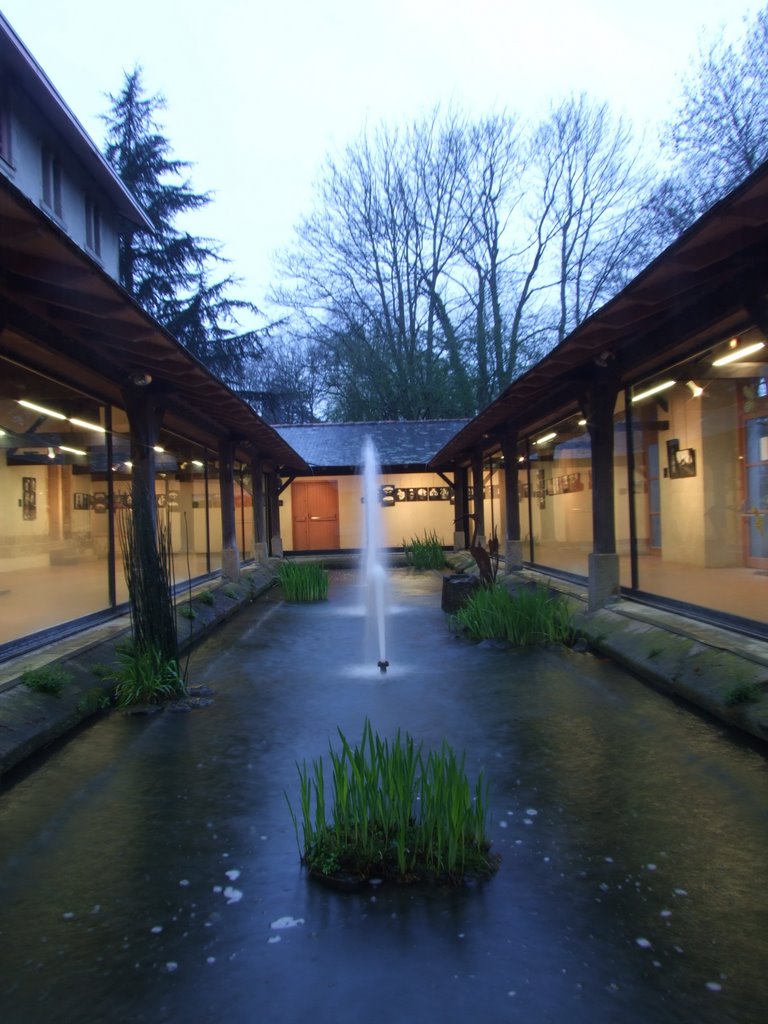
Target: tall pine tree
[(168, 270)]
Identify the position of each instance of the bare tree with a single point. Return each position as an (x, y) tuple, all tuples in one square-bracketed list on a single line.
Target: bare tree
[(719, 135)]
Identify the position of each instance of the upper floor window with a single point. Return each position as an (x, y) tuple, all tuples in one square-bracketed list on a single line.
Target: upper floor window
[(92, 226), (51, 181)]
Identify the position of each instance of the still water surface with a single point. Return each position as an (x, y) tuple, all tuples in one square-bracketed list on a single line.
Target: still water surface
[(149, 870)]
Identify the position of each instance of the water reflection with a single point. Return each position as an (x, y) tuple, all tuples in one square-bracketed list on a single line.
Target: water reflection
[(634, 885)]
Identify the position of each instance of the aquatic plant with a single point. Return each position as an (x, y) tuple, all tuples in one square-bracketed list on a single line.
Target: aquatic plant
[(303, 581), (531, 616), (394, 814), (425, 552), (146, 676)]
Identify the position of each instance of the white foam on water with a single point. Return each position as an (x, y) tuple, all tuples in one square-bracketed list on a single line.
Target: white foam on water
[(274, 938), (171, 966), (643, 943), (233, 874), (156, 929), (286, 922), (233, 895), (714, 986)]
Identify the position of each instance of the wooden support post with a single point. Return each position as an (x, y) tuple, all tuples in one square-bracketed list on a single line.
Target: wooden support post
[(512, 543), (273, 514), (478, 530), (260, 547), (230, 556), (598, 404), (460, 508)]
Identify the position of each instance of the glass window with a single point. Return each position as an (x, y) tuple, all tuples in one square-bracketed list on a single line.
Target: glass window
[(54, 537), (560, 482), (701, 479)]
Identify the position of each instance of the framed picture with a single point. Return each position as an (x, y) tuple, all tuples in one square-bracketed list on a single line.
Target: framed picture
[(685, 462), (29, 497), (82, 501)]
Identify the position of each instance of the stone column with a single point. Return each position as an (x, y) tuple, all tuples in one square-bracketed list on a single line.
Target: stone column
[(230, 556)]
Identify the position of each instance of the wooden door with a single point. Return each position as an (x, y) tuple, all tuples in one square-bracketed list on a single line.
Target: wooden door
[(315, 515)]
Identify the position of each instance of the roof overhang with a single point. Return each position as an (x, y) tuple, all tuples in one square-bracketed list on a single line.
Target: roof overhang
[(63, 315), (705, 286)]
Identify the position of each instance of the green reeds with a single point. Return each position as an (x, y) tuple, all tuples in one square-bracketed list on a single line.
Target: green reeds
[(530, 616), (395, 814), (303, 581), (425, 552)]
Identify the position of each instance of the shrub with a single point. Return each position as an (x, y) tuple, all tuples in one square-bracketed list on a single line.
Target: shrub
[(205, 597), (47, 679), (395, 814), (146, 677), (303, 581), (531, 616), (425, 552), (187, 611), (743, 693)]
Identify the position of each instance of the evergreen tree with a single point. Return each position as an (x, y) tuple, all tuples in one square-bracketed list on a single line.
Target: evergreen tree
[(168, 270)]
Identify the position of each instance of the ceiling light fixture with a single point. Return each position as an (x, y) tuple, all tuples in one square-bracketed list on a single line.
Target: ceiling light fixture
[(739, 353), (41, 409), (86, 425), (73, 451), (654, 390), (547, 437), (696, 389)]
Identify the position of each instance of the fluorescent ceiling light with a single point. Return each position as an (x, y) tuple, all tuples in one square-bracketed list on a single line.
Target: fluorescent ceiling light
[(582, 423), (41, 409), (196, 462), (547, 437), (74, 451), (87, 425), (654, 390), (739, 353), (159, 449)]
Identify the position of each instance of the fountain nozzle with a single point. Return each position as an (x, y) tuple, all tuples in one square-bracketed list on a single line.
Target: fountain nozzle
[(383, 666)]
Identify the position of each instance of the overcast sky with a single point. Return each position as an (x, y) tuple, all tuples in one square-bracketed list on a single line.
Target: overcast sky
[(258, 91)]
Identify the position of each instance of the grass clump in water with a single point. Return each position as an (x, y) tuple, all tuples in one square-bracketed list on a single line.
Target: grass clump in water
[(394, 814), (303, 581), (425, 552), (531, 616), (145, 676)]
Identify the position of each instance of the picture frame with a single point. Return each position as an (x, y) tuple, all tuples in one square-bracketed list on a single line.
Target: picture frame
[(685, 462)]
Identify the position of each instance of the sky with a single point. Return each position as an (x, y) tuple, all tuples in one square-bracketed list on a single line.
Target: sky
[(259, 92)]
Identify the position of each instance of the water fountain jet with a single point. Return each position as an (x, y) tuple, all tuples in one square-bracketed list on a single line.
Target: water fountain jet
[(374, 572)]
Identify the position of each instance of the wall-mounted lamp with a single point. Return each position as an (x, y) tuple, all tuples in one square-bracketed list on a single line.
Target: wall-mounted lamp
[(696, 389), (140, 379)]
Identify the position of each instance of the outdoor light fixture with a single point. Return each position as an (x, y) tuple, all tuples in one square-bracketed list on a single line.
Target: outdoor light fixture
[(654, 390), (196, 462), (547, 437), (73, 451), (86, 425), (51, 453), (140, 379), (696, 389), (41, 409), (158, 448), (739, 353), (582, 423)]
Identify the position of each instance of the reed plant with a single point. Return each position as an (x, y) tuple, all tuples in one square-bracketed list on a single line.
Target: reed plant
[(303, 581), (394, 813), (425, 552), (530, 616)]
